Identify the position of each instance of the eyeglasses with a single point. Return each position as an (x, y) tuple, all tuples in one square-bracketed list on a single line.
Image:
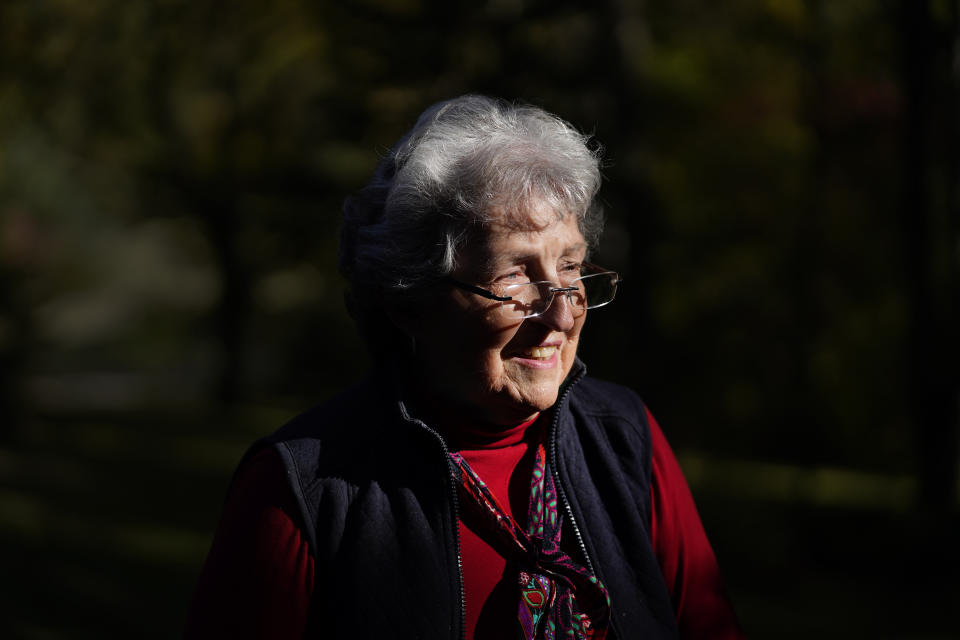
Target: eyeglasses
[(531, 299)]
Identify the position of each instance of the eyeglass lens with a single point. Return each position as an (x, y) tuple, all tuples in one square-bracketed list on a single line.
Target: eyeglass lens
[(534, 298)]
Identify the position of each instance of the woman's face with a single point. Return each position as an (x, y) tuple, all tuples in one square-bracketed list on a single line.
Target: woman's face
[(498, 369)]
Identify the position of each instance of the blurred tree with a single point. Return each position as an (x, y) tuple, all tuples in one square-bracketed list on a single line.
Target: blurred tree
[(752, 189), (781, 191), (932, 245)]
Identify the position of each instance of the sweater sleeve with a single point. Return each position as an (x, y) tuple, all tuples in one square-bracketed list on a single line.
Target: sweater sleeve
[(258, 577), (686, 558)]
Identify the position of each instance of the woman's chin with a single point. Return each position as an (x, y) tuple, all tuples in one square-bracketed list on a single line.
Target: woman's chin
[(525, 403), (534, 386)]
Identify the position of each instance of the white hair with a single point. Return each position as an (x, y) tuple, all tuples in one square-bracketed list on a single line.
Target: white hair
[(466, 162)]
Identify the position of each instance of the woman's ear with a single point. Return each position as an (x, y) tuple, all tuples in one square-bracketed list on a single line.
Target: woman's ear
[(409, 322), (406, 318)]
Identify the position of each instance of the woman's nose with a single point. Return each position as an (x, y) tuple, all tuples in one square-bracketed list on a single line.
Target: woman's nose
[(559, 315)]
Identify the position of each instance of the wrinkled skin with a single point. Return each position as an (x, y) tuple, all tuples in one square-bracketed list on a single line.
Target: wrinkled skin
[(468, 356)]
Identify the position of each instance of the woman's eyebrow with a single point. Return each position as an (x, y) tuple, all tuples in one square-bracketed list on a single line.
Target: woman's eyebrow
[(498, 261), (488, 269), (493, 263)]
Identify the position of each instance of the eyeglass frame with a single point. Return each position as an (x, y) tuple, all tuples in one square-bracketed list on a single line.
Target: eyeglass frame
[(486, 293)]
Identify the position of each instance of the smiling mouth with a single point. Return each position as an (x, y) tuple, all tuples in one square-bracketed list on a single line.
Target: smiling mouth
[(538, 353)]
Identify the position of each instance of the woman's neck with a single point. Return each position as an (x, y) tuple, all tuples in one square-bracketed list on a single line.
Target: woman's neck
[(462, 426)]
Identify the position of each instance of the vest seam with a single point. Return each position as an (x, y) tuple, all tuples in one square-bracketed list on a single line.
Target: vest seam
[(294, 480)]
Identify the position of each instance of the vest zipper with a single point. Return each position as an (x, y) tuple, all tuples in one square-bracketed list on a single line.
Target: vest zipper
[(556, 475), (456, 500), (573, 523), (562, 492), (451, 482)]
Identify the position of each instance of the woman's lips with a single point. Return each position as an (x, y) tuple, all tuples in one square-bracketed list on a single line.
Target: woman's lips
[(540, 357), (541, 353)]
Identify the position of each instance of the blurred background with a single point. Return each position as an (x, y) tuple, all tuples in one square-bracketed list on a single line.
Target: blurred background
[(782, 198)]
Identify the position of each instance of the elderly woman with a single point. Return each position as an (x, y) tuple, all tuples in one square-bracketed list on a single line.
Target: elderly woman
[(478, 484)]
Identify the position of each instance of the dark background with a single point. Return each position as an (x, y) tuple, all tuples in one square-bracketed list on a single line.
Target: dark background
[(782, 193)]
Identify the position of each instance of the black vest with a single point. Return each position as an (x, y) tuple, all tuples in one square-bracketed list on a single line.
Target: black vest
[(379, 509)]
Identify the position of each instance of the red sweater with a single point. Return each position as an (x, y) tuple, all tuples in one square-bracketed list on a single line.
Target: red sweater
[(259, 576)]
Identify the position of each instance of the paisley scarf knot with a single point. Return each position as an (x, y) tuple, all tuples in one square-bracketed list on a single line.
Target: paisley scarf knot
[(558, 597)]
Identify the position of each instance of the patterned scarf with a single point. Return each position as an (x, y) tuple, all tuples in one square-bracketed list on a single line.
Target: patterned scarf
[(558, 597)]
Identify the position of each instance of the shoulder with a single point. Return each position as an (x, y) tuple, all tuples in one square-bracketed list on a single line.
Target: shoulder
[(329, 432), (601, 398), (326, 439), (323, 455), (610, 421), (604, 445), (360, 403)]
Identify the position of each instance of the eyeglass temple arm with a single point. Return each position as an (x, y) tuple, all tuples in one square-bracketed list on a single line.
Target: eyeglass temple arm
[(480, 292)]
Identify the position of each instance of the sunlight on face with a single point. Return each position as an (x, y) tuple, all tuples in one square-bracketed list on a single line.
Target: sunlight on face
[(503, 370)]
